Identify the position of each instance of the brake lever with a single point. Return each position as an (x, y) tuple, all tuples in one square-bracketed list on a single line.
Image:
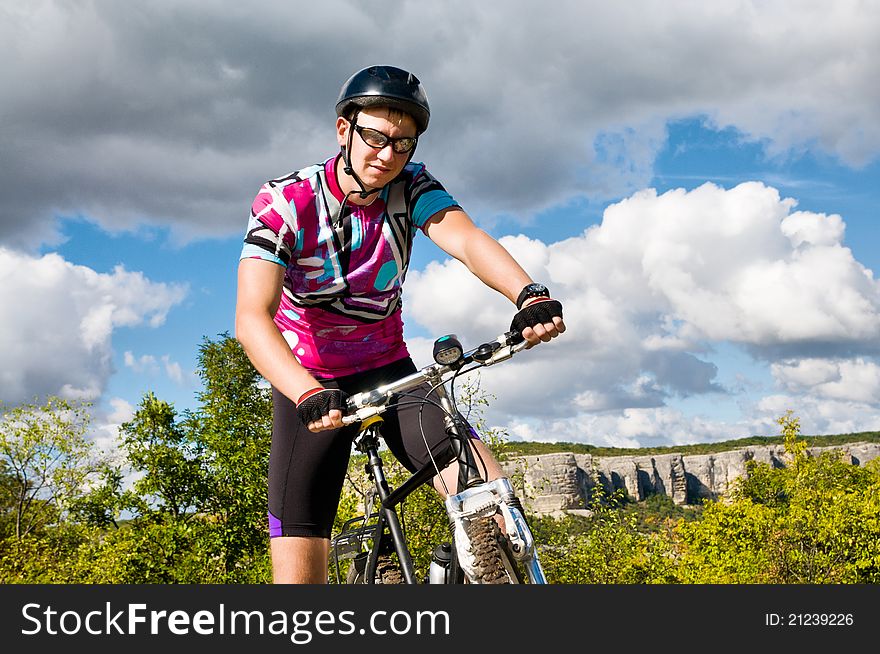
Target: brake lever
[(501, 349), (485, 351)]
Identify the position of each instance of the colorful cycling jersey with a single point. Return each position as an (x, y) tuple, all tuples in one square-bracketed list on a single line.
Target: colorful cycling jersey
[(340, 305)]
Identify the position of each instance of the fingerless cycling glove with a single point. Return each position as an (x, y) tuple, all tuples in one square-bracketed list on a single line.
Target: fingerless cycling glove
[(318, 402), (538, 312)]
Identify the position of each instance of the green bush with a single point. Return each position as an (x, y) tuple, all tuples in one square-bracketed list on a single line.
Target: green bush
[(198, 512), (814, 521), (606, 547)]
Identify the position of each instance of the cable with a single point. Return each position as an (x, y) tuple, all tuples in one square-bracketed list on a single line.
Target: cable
[(455, 404), (422, 402), (428, 449), (456, 418)]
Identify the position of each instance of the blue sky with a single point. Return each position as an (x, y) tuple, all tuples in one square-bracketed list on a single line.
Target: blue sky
[(697, 190)]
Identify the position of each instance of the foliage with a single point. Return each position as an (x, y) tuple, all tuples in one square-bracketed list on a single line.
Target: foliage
[(604, 547), (164, 552), (814, 521), (171, 462), (46, 464), (234, 429), (526, 448), (658, 513), (102, 504), (48, 556), (195, 512)]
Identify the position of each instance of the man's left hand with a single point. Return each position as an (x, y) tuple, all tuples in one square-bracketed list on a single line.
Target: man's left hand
[(539, 320)]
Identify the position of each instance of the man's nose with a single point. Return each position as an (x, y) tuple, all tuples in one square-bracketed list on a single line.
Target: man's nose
[(386, 154)]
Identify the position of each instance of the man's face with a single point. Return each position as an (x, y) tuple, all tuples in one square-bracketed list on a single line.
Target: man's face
[(376, 168)]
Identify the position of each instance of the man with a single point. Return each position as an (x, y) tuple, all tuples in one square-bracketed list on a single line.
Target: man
[(318, 307)]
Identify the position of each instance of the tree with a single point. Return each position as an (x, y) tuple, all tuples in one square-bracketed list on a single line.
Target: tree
[(102, 505), (169, 457), (814, 521), (202, 498), (233, 426), (46, 462)]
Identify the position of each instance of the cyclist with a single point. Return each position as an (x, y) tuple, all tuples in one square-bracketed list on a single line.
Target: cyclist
[(318, 307)]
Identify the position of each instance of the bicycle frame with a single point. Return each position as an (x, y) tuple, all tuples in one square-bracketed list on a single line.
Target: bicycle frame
[(474, 496)]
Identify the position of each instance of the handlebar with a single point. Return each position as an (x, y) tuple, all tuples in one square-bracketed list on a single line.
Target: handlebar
[(373, 402)]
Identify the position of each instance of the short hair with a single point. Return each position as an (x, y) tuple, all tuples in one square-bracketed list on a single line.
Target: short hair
[(394, 114)]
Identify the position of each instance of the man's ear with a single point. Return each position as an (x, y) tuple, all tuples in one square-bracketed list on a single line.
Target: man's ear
[(342, 127)]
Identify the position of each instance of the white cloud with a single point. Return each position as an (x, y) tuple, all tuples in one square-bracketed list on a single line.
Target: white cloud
[(648, 296), (819, 415), (173, 369), (147, 363), (58, 322), (803, 228), (143, 363), (177, 130), (105, 426), (733, 265), (628, 428), (853, 380)]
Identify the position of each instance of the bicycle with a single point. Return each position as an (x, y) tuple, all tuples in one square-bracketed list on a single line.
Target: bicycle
[(480, 551)]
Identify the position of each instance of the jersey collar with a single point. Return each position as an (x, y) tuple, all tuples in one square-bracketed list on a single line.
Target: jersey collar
[(332, 180)]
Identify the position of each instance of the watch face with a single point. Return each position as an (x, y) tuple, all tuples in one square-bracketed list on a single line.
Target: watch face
[(531, 290)]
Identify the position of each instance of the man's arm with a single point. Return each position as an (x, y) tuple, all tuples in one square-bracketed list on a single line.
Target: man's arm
[(259, 293), (457, 235)]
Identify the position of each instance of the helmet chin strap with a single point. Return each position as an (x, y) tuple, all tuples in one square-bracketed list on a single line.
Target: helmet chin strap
[(363, 193), (346, 159)]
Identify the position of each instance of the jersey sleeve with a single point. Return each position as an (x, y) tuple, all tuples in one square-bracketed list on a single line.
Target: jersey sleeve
[(427, 197), (271, 230)]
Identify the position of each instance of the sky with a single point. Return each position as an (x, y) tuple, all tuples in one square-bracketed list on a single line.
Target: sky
[(696, 182)]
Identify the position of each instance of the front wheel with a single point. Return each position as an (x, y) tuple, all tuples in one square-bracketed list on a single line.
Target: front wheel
[(494, 563)]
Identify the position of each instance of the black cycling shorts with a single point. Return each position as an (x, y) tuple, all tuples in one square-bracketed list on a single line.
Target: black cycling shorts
[(307, 469)]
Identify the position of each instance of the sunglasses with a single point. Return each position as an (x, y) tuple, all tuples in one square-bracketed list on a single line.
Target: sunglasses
[(377, 140)]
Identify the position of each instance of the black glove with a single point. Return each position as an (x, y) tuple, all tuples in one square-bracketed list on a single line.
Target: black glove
[(318, 402), (534, 314)]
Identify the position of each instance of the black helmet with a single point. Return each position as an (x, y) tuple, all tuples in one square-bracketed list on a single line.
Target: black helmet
[(385, 86)]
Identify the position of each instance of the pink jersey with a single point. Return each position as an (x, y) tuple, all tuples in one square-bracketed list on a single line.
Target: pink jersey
[(340, 305)]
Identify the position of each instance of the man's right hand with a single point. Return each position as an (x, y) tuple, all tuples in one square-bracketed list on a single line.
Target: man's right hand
[(321, 408)]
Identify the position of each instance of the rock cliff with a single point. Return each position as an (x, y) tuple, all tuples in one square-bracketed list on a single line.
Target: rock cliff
[(550, 483)]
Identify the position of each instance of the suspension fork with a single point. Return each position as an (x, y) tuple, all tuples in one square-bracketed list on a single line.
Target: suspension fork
[(462, 505), (368, 443)]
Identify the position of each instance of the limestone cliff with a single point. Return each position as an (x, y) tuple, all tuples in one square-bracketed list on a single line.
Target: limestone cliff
[(562, 481)]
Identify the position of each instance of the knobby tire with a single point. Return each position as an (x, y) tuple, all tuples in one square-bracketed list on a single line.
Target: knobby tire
[(387, 572), (487, 544)]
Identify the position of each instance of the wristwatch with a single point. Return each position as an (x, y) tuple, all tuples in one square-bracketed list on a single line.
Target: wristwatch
[(531, 290)]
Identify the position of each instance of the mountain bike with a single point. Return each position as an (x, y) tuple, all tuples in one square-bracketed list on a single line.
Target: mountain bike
[(490, 540)]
